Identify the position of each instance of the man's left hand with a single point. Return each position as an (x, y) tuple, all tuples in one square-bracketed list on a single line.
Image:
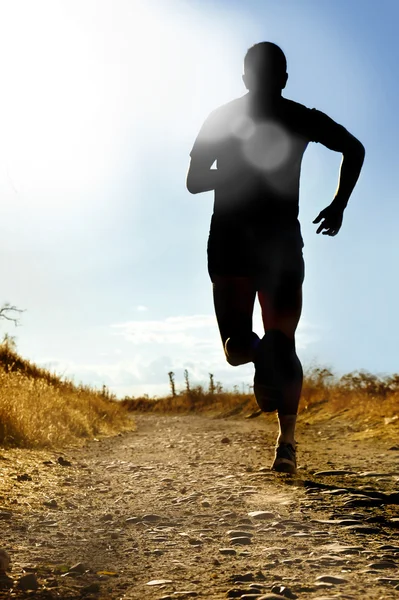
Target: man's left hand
[(331, 220)]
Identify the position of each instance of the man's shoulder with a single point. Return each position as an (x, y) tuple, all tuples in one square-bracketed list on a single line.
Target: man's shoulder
[(230, 108)]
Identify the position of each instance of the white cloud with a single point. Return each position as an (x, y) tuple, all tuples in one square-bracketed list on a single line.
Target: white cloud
[(189, 331)]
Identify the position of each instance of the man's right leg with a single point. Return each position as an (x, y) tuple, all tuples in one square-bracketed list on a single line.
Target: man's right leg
[(234, 299)]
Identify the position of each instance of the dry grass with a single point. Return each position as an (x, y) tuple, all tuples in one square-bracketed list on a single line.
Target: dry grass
[(38, 409), (369, 401)]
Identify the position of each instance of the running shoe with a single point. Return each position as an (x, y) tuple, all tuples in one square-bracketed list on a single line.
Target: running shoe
[(285, 460)]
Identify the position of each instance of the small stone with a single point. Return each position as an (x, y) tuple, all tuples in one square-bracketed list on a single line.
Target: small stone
[(107, 517), (225, 440), (271, 597), (24, 477), (284, 591), (362, 529), (234, 533), (228, 551), (5, 515), (188, 594), (151, 518), (332, 472), (331, 579), (382, 564), (234, 593), (78, 568), (28, 582), (6, 582), (159, 582), (63, 462), (261, 515), (93, 588), (205, 504), (242, 578), (4, 560), (241, 541), (133, 520), (51, 503), (390, 580)]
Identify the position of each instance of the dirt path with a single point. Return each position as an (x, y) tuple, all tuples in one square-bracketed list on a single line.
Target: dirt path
[(179, 500)]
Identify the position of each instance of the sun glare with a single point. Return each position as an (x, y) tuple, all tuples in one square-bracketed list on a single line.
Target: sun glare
[(86, 85)]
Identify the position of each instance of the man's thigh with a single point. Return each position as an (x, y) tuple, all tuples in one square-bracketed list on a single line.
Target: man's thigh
[(283, 316), (280, 297)]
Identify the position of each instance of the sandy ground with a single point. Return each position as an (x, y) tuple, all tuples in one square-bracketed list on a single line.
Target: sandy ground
[(186, 506)]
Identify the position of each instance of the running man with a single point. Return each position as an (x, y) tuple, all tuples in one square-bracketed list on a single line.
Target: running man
[(255, 243)]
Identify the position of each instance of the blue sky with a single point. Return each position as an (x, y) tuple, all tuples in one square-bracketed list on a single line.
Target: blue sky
[(101, 243)]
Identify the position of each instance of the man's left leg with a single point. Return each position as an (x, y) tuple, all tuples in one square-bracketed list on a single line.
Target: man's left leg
[(279, 375)]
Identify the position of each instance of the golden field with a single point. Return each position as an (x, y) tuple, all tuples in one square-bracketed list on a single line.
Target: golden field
[(38, 409), (370, 402)]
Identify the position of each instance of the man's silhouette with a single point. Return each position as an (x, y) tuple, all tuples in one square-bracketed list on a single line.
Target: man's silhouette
[(255, 244)]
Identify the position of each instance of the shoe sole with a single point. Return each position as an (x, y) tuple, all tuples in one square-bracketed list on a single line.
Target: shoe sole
[(283, 465)]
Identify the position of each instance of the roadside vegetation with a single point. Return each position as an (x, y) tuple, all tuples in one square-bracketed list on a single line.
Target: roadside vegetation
[(369, 401), (38, 409)]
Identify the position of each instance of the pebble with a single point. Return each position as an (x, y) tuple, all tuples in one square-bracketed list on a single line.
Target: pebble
[(78, 568), (159, 581), (228, 551), (362, 529), (382, 564), (92, 588), (240, 541), (28, 582), (332, 472), (337, 521), (5, 515), (261, 515), (391, 580), (271, 597), (242, 578), (151, 518), (331, 579), (6, 583), (374, 474), (234, 533), (284, 591), (4, 560), (51, 503), (249, 593)]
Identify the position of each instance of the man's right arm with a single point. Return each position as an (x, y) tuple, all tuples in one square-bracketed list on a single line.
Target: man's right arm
[(201, 177)]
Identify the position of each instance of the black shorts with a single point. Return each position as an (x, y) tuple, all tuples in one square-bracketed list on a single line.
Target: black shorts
[(273, 258)]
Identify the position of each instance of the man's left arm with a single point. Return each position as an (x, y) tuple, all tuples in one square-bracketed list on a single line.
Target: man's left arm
[(337, 138)]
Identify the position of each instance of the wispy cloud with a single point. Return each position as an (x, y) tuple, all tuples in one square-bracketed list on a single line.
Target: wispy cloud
[(189, 331)]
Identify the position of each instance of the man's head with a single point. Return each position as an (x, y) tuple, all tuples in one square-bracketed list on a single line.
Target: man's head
[(265, 68)]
